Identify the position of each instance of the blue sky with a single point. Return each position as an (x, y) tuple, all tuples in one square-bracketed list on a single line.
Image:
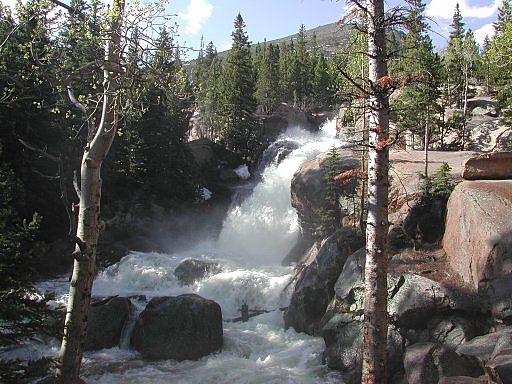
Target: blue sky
[(277, 18), (272, 19)]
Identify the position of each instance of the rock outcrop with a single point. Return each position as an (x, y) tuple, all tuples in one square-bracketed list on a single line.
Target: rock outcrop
[(185, 327), (308, 189), (107, 319), (420, 309), (316, 277), (427, 363), (286, 116), (478, 240), (489, 166), (191, 270)]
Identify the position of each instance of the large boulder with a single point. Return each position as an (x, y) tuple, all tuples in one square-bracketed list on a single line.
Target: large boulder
[(343, 336), (499, 366), (453, 330), (191, 270), (420, 309), (316, 277), (478, 240), (106, 321), (427, 363), (308, 189), (209, 155), (413, 300), (185, 327), (406, 190), (489, 166), (286, 116), (481, 348)]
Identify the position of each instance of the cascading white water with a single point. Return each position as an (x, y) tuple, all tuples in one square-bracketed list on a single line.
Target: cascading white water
[(256, 235)]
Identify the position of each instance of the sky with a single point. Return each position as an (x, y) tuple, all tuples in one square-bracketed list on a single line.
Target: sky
[(270, 19)]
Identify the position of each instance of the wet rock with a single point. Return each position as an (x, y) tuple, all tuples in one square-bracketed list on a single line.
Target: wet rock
[(298, 251), (316, 277), (343, 336), (228, 175), (185, 327), (308, 189), (427, 363), (191, 270), (106, 321), (489, 166), (278, 151), (478, 240)]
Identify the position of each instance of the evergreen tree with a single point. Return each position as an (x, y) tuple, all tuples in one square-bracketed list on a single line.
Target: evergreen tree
[(239, 105), (454, 59), (267, 79), (213, 118), (500, 56), (331, 214), (304, 71), (289, 70), (504, 17), (418, 104)]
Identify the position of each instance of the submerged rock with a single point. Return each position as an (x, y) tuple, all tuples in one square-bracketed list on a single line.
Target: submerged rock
[(191, 270), (185, 327), (106, 321)]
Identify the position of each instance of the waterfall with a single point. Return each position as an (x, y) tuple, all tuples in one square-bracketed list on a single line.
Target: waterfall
[(263, 229), (256, 235)]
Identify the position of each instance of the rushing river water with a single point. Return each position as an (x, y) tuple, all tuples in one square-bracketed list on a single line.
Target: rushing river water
[(256, 235)]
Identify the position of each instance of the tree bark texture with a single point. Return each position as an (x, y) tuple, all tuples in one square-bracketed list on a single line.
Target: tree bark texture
[(375, 301), (75, 326), (427, 141)]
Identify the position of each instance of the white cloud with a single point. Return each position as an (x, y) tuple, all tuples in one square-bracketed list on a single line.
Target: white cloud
[(198, 12), (226, 45), (480, 33), (444, 9)]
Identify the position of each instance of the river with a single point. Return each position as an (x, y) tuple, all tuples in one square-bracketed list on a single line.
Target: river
[(256, 235)]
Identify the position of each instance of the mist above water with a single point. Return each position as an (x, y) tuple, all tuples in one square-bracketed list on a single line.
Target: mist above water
[(256, 235)]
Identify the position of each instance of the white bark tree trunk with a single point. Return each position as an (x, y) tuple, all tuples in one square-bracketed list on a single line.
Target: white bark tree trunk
[(375, 300), (96, 150), (427, 140)]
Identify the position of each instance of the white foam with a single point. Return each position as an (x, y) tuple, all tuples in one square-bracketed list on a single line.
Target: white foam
[(256, 235)]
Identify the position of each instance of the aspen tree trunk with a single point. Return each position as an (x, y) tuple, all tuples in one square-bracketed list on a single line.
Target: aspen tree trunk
[(362, 224), (375, 300), (427, 140), (465, 108), (75, 325)]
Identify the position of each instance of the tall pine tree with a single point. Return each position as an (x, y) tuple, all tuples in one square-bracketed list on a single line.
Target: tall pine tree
[(239, 105)]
